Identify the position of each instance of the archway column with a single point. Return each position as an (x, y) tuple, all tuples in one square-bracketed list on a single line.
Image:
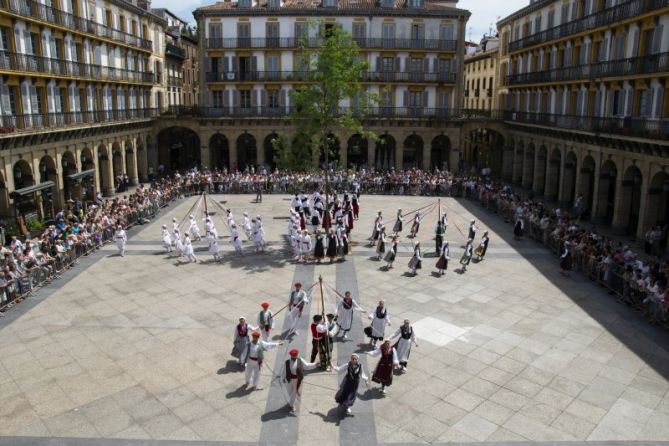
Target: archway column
[(427, 153), (620, 220), (645, 200), (562, 198), (595, 191), (96, 166), (399, 151), (371, 152)]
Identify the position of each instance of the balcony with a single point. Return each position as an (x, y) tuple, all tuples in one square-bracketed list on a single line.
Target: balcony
[(316, 42), (638, 127), (370, 76), (52, 16), (173, 81), (175, 51), (606, 17), (42, 121), (654, 63), (27, 63)]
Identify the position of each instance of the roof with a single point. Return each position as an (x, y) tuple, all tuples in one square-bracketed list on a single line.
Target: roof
[(480, 55), (301, 7), (524, 11)]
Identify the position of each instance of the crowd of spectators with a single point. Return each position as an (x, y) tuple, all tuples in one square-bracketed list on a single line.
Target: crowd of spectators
[(74, 232)]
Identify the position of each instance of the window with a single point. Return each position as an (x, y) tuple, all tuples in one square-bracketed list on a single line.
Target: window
[(272, 33), (417, 35), (416, 4), (215, 34), (245, 99), (244, 3), (217, 97), (273, 99), (274, 3), (272, 67), (244, 35), (387, 3), (359, 34), (329, 3), (301, 31), (388, 35)]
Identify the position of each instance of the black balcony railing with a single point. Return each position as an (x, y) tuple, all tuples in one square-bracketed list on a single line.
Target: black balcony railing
[(60, 67), (39, 121), (175, 51), (605, 17), (173, 81), (639, 127), (316, 42), (38, 11), (369, 76), (380, 112), (654, 63)]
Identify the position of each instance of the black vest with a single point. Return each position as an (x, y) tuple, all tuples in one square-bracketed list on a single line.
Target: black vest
[(299, 372)]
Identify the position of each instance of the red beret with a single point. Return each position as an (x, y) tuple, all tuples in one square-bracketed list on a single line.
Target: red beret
[(294, 352), (264, 305), (255, 334), (298, 284)]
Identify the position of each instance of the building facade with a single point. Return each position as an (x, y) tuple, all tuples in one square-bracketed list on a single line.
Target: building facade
[(79, 88), (585, 97), (249, 65), (481, 67)]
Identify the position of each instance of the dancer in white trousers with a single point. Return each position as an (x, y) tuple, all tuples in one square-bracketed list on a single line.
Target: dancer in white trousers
[(293, 374), (255, 355)]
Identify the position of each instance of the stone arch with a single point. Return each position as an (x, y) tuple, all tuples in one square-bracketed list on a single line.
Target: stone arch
[(271, 157), (117, 162), (356, 151), (657, 204), (86, 157), (219, 152), (178, 149), (412, 153), (23, 174), (130, 161), (334, 150), (68, 163), (606, 192), (247, 151), (630, 200), (142, 159), (48, 172), (105, 170), (518, 158), (440, 153), (508, 158), (587, 182), (528, 166), (569, 178), (384, 152), (553, 174)]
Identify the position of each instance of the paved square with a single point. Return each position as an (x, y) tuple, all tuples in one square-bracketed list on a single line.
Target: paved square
[(139, 347)]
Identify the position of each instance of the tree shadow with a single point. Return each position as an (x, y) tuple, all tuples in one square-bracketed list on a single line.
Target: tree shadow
[(231, 366)]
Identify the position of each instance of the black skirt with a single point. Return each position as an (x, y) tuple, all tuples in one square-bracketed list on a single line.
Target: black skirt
[(319, 250), (442, 263)]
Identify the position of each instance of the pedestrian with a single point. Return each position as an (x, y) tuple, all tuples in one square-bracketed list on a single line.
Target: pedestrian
[(380, 318), (383, 373), (344, 313), (240, 344), (416, 261), (293, 374), (407, 337), (167, 240), (466, 256), (483, 246), (442, 263), (518, 228), (565, 259), (265, 321), (121, 238), (391, 254), (255, 355), (348, 388)]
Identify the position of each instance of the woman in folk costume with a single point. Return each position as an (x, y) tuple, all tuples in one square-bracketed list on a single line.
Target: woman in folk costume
[(175, 229), (380, 318), (214, 249), (348, 217), (344, 313), (355, 206), (442, 263), (397, 228), (303, 222), (121, 237), (333, 244), (293, 374), (259, 234), (188, 249), (392, 253), (403, 344), (246, 226), (378, 222), (383, 373), (342, 240), (482, 248), (235, 239), (381, 243), (472, 230), (167, 240), (178, 244), (240, 345), (315, 221), (255, 355), (319, 246), (305, 246), (466, 256), (415, 226), (416, 261), (440, 231), (565, 259), (194, 229), (348, 388), (518, 228)]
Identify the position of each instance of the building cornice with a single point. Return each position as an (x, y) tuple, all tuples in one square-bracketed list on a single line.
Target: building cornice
[(327, 12), (139, 11), (479, 56), (524, 11)]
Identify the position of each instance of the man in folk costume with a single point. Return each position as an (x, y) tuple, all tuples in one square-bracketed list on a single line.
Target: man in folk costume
[(348, 388), (255, 355), (240, 345), (344, 313), (472, 230), (319, 333), (293, 374), (442, 263), (236, 240), (121, 237), (298, 300), (259, 235), (380, 318), (167, 240), (466, 256), (383, 373), (208, 226), (265, 321), (333, 329), (483, 246), (403, 344), (194, 229), (305, 246)]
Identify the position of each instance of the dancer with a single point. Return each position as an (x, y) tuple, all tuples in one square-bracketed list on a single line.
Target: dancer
[(483, 246), (466, 256), (293, 374), (305, 246), (440, 231), (319, 248), (416, 261), (342, 240), (380, 318), (214, 249), (391, 254), (188, 249), (333, 329), (265, 321), (378, 222), (344, 312), (194, 229), (259, 234), (230, 219), (442, 263), (240, 345), (333, 244), (472, 230), (167, 240), (397, 228), (349, 386), (319, 329), (415, 226), (298, 300), (255, 355), (565, 259), (175, 226), (403, 344), (235, 239), (178, 244), (383, 373), (315, 221), (381, 243), (355, 205), (246, 226), (121, 238)]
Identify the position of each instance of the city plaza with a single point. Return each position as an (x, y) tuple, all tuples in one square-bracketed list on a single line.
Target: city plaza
[(138, 347)]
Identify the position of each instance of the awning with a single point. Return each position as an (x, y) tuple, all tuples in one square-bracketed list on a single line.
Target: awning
[(30, 189), (85, 173)]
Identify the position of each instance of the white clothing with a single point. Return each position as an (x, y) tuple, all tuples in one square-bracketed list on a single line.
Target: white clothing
[(291, 387), (259, 235), (193, 229), (267, 315), (178, 245), (345, 316), (246, 226), (305, 244), (167, 240), (253, 366), (120, 237), (188, 250), (301, 299), (404, 345), (235, 240), (379, 325)]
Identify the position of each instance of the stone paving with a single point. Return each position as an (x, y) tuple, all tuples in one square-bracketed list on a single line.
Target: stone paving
[(138, 347)]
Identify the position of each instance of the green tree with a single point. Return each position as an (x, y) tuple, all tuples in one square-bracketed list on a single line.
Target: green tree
[(333, 71)]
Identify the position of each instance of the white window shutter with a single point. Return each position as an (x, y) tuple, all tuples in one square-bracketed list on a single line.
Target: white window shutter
[(659, 102)]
